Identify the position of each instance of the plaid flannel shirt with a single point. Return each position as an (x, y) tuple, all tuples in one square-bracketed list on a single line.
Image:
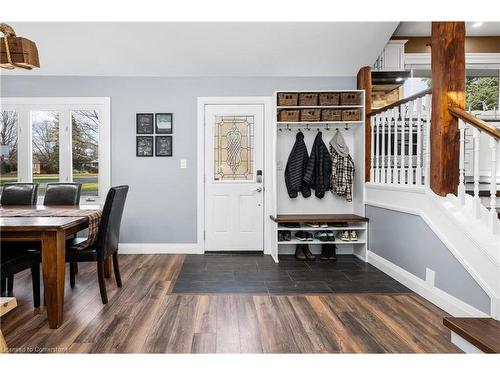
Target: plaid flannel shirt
[(342, 174)]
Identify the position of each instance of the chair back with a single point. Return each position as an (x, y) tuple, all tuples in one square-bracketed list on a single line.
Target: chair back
[(109, 228), (62, 194), (21, 194)]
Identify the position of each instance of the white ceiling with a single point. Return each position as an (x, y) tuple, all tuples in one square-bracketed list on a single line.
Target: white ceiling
[(424, 29), (205, 49)]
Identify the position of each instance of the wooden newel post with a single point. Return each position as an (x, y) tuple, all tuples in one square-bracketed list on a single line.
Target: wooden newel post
[(448, 88), (365, 83)]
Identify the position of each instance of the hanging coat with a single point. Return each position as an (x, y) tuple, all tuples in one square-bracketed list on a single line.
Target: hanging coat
[(342, 167), (319, 168), (295, 167)]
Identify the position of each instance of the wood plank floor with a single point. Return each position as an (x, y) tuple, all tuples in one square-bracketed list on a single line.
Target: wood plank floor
[(144, 317)]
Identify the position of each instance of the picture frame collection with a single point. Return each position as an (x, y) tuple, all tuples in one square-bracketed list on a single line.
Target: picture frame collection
[(156, 124)]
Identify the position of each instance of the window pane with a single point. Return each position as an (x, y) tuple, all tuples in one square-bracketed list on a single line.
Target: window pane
[(481, 90), (85, 137), (8, 147), (45, 143), (233, 153)]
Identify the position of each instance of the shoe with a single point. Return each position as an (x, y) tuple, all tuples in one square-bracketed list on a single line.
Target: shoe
[(338, 225), (332, 255), (325, 253), (353, 236), (299, 252), (331, 236), (312, 225), (309, 237), (284, 235), (300, 235), (323, 225), (308, 253), (345, 236), (280, 236), (291, 225), (322, 236)]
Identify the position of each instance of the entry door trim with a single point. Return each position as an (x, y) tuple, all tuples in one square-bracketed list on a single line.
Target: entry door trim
[(266, 101)]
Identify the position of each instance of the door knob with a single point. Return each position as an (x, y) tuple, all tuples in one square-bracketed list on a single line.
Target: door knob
[(258, 190)]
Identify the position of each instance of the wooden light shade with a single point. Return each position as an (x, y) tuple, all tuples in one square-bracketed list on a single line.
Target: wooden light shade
[(17, 52)]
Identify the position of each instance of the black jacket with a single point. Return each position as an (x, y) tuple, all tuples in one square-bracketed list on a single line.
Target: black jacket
[(319, 168), (295, 168)]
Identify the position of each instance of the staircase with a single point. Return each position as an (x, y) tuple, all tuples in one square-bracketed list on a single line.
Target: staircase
[(468, 223)]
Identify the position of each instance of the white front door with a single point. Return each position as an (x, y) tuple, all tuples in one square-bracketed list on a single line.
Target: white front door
[(234, 158)]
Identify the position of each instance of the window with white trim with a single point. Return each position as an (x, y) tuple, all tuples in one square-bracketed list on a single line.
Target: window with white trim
[(46, 140)]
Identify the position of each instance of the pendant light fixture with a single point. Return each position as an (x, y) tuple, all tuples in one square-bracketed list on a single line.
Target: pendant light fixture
[(15, 51)]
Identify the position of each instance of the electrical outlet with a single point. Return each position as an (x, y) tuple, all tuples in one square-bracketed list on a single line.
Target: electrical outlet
[(430, 276), (183, 163)]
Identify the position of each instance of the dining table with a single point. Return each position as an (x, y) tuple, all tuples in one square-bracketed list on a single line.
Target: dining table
[(40, 224)]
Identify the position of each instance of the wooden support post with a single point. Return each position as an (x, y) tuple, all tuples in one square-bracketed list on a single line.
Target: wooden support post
[(365, 83), (448, 88)]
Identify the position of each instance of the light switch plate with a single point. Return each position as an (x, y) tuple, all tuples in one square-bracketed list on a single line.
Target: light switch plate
[(183, 163)]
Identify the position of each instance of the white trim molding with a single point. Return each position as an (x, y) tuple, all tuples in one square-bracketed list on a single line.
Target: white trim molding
[(491, 60), (440, 298), (159, 248), (267, 102)]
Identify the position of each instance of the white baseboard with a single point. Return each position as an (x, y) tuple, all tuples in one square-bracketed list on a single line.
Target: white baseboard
[(440, 298), (159, 248)]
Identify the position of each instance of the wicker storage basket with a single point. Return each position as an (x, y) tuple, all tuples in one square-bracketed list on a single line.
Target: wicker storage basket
[(291, 115), (287, 98), (351, 115), (350, 98), (308, 99), (329, 98), (310, 114), (331, 115)]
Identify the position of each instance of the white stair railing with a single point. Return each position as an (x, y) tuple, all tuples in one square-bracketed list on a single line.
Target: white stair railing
[(400, 151), (482, 162)]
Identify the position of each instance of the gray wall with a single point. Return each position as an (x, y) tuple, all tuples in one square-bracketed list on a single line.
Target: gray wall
[(161, 206), (407, 241)]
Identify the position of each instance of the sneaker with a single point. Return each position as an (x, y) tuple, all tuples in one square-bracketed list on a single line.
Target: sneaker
[(291, 225), (338, 225), (284, 235), (300, 235), (312, 225), (323, 225), (345, 236), (322, 236), (353, 236), (309, 237), (331, 236)]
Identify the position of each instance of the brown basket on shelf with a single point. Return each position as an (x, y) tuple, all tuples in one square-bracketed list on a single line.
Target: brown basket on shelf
[(350, 98), (291, 115), (307, 98), (288, 98), (329, 98), (352, 114), (331, 115), (310, 114)]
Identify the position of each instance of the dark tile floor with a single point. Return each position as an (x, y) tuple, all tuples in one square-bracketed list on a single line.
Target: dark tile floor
[(236, 273)]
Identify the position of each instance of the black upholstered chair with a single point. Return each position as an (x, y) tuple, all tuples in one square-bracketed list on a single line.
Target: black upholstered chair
[(107, 240), (21, 194), (62, 194), (17, 257), (13, 262)]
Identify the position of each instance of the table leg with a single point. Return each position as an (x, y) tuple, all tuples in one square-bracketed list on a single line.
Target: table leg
[(53, 266), (107, 267)]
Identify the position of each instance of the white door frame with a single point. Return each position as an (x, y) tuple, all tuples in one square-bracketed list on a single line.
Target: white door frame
[(267, 102)]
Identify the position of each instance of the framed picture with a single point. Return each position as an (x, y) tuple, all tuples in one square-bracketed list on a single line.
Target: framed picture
[(164, 123), (144, 146), (144, 123), (163, 145)]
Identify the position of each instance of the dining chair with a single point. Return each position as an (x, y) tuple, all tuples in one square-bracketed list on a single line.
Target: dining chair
[(19, 194), (19, 256), (106, 243), (62, 194)]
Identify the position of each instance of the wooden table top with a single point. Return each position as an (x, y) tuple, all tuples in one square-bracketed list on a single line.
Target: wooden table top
[(10, 224)]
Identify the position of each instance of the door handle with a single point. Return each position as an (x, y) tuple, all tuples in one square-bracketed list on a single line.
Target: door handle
[(258, 190)]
